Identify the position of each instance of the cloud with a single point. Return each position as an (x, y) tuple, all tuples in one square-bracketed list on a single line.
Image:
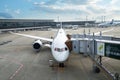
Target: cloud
[(65, 6), (29, 0), (114, 1), (95, 9), (17, 11), (5, 15), (59, 7), (77, 8), (76, 2)]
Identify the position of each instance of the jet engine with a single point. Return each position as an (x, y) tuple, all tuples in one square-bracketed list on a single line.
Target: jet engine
[(37, 45)]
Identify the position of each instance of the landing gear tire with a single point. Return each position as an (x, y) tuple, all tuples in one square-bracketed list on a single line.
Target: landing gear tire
[(96, 69), (61, 64), (117, 76)]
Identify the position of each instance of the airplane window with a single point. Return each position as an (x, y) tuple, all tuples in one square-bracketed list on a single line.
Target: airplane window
[(66, 48), (59, 49)]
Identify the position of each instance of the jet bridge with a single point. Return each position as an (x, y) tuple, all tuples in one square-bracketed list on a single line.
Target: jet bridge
[(97, 47), (108, 48)]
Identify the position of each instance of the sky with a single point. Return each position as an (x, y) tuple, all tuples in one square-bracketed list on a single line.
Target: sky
[(66, 10)]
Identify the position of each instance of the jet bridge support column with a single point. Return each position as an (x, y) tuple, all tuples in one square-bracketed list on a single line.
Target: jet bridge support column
[(93, 57)]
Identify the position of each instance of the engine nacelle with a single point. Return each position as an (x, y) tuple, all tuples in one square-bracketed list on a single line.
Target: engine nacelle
[(37, 45)]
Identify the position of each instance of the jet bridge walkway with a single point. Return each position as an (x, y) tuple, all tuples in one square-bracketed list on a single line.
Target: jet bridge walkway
[(97, 47)]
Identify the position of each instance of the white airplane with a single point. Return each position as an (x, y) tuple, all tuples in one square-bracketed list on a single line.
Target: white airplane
[(60, 45), (60, 50), (115, 23), (106, 24)]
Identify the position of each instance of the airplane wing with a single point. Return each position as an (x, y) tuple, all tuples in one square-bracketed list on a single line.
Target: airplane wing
[(34, 37), (47, 45)]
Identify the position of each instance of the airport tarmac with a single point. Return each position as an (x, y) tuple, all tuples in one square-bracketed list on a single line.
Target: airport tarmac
[(18, 60)]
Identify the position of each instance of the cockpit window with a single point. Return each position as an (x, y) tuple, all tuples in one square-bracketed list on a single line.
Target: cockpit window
[(61, 49)]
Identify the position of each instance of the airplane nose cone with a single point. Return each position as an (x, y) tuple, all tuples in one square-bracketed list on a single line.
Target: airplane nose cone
[(61, 57)]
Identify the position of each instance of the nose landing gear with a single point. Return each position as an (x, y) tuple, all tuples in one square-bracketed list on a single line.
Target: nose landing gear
[(61, 64), (52, 64)]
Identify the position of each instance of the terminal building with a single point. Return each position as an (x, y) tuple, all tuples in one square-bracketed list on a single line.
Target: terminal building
[(24, 23)]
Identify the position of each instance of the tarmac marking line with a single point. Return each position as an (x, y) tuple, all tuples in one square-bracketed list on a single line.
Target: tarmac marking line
[(14, 61), (16, 72)]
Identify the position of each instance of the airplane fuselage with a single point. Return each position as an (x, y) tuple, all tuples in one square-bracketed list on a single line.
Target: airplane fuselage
[(59, 49)]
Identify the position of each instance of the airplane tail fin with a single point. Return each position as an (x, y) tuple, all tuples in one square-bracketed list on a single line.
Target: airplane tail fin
[(112, 21)]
